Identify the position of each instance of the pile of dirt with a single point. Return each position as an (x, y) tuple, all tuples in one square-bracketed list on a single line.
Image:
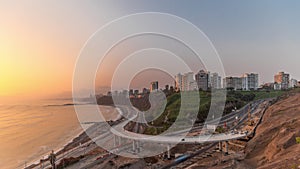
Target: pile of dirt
[(274, 145)]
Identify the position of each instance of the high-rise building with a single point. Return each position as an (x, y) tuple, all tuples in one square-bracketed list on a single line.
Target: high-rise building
[(154, 86), (178, 82), (250, 81), (209, 80), (215, 81), (282, 79), (234, 83), (202, 78), (185, 82), (293, 83), (193, 85)]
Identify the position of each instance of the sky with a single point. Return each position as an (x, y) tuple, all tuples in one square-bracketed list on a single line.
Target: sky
[(41, 40)]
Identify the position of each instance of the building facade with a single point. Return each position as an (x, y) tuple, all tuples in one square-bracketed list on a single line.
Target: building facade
[(235, 83), (188, 80), (293, 83), (216, 81), (202, 80), (154, 86), (282, 80), (250, 81), (185, 82), (145, 90), (178, 82)]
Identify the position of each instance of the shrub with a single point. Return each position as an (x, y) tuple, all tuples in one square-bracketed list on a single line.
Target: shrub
[(298, 140)]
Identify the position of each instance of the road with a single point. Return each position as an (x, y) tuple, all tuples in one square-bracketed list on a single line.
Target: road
[(173, 138), (258, 107)]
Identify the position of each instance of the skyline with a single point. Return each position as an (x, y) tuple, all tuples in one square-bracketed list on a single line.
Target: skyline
[(173, 84), (38, 60)]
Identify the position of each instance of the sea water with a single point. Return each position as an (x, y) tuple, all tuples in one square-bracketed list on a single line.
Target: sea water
[(30, 131)]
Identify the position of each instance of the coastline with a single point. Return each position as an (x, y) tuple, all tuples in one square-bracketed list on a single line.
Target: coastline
[(36, 162), (71, 143)]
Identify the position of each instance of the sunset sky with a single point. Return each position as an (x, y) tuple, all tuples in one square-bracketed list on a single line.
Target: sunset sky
[(40, 40)]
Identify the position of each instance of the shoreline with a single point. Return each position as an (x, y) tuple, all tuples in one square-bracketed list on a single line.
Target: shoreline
[(74, 139), (36, 162)]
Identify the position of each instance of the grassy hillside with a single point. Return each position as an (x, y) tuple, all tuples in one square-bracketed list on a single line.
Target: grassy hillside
[(234, 99), (264, 94)]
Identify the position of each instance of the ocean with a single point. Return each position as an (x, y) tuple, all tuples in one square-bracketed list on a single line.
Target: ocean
[(30, 131)]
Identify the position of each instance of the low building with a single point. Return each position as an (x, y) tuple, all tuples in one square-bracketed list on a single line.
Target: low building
[(145, 90), (130, 92), (154, 86), (268, 86), (136, 92), (277, 86), (234, 83)]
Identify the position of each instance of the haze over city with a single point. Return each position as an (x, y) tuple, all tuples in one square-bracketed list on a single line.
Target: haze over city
[(41, 40)]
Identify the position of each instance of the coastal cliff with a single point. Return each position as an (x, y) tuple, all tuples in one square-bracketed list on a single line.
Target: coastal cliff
[(275, 144)]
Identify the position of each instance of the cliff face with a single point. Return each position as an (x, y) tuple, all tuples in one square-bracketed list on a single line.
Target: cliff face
[(274, 145)]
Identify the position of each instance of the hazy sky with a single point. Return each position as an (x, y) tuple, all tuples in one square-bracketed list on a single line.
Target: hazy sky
[(40, 40)]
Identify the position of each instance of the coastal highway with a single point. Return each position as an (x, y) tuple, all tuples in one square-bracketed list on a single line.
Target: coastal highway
[(119, 130), (230, 118), (258, 107), (172, 138)]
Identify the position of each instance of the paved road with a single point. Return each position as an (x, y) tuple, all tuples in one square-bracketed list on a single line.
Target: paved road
[(257, 108), (174, 139)]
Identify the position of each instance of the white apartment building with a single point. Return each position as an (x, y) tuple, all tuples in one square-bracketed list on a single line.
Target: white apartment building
[(185, 82), (293, 83), (215, 80), (250, 81), (282, 79)]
